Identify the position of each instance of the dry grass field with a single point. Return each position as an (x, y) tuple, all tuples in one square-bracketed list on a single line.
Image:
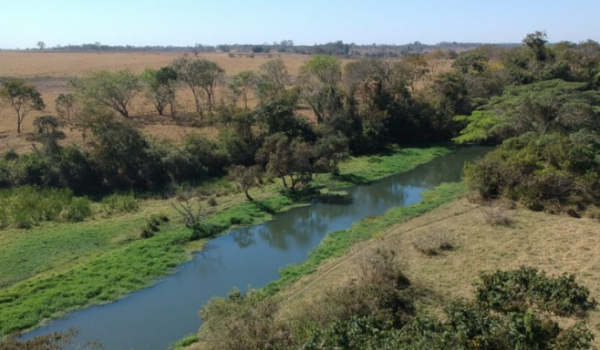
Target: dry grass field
[(51, 71), (554, 244)]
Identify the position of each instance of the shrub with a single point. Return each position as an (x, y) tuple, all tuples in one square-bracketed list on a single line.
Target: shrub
[(152, 225), (553, 172), (433, 243), (381, 291), (78, 210), (244, 322), (516, 291), (593, 212), (25, 207), (119, 203), (497, 216), (212, 201)]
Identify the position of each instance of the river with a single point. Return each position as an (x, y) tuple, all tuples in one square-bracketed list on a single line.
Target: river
[(154, 318)]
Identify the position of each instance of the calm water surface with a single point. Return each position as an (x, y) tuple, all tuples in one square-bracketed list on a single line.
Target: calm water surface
[(153, 318)]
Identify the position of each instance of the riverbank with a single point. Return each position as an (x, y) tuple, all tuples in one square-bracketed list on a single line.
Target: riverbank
[(552, 243), (60, 267)]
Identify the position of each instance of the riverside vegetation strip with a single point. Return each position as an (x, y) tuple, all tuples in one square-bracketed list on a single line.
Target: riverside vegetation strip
[(116, 261)]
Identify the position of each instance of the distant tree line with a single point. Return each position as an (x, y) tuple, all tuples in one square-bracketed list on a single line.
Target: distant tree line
[(333, 48)]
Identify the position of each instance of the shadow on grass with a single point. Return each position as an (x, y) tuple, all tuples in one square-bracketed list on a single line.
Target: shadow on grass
[(262, 206), (352, 178)]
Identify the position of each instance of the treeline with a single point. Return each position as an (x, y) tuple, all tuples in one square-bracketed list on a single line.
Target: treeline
[(333, 48), (358, 109), (523, 94)]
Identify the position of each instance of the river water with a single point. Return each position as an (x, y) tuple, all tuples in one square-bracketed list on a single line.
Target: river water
[(154, 318)]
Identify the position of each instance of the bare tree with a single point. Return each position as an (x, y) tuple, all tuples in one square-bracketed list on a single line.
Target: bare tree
[(189, 206)]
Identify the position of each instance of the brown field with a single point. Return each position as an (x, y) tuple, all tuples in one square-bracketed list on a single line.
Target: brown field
[(51, 71), (554, 244)]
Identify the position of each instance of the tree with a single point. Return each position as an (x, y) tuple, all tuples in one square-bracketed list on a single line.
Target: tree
[(22, 97), (68, 109), (115, 90), (330, 150), (416, 69), (41, 45), (47, 133), (319, 82), (436, 60), (287, 157), (245, 177), (553, 105), (537, 44), (241, 85), (273, 79), (188, 205), (201, 76), (160, 87), (122, 154)]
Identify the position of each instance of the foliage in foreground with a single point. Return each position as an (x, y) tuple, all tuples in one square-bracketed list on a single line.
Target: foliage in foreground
[(376, 311)]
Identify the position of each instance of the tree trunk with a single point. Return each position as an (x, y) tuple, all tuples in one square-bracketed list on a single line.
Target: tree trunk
[(284, 182), (19, 121), (248, 195)]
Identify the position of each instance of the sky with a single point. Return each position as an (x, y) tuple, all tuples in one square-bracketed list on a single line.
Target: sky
[(186, 22)]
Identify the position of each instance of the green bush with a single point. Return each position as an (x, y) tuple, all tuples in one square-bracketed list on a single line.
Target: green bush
[(119, 203), (25, 207), (78, 210), (553, 172), (517, 291)]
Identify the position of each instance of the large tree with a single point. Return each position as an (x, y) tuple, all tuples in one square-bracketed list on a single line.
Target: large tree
[(68, 109), (202, 77), (160, 87), (242, 84), (22, 97), (273, 79), (115, 90), (553, 105), (285, 157), (319, 81)]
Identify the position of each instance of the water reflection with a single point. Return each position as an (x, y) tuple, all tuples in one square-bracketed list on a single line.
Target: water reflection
[(153, 318)]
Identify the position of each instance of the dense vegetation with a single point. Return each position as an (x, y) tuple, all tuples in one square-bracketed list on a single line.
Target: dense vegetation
[(548, 121), (376, 310), (539, 101)]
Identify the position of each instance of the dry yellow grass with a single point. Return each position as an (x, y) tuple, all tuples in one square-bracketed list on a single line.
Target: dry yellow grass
[(50, 71), (30, 64), (555, 244)]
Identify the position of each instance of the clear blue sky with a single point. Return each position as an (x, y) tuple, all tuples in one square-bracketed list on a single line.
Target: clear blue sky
[(185, 22)]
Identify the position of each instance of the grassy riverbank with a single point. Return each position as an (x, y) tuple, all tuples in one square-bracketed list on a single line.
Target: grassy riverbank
[(58, 267), (552, 243), (478, 243), (337, 245)]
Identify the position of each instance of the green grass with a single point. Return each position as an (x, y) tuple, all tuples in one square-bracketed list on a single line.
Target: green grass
[(366, 169), (185, 342), (339, 242), (58, 267)]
